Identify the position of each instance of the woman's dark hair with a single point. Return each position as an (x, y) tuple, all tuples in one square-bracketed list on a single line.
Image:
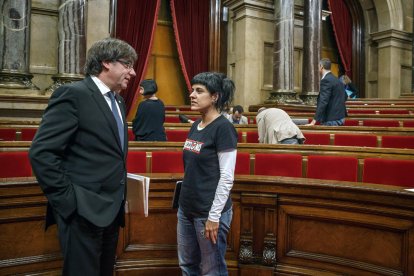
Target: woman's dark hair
[(108, 49), (217, 83)]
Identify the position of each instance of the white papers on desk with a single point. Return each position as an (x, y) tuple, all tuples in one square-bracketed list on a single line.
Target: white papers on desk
[(138, 188)]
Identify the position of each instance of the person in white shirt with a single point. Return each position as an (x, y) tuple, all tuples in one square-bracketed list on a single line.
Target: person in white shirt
[(276, 127), (237, 117)]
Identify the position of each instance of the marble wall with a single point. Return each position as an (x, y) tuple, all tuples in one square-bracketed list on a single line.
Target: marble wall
[(387, 46), (44, 43)]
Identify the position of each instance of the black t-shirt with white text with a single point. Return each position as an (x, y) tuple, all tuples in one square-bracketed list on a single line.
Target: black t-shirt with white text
[(201, 166)]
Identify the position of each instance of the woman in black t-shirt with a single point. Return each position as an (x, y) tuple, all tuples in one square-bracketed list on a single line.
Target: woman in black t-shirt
[(209, 153)]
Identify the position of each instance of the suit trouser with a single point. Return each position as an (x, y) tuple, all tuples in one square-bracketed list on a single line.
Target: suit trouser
[(86, 248)]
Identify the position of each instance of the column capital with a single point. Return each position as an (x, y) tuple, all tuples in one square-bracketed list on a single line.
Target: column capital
[(263, 10), (393, 38)]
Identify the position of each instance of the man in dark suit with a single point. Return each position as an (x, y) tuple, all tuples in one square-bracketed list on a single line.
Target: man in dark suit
[(330, 107), (78, 156)]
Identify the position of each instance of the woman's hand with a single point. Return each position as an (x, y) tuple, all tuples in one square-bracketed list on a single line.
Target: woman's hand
[(211, 230)]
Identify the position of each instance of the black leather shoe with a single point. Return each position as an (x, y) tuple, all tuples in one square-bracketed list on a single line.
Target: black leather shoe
[(183, 118)]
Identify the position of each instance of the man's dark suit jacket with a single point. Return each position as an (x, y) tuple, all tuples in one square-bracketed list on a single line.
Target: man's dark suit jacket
[(77, 158), (331, 100)]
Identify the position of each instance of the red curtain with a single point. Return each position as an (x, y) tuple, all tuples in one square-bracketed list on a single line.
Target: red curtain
[(342, 25), (191, 29), (135, 23)]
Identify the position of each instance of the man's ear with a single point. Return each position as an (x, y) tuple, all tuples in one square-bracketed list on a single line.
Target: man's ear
[(105, 64)]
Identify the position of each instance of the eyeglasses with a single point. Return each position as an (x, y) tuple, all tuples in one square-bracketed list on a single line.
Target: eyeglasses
[(127, 64)]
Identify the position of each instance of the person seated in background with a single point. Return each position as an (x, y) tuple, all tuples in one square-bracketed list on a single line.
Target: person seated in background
[(350, 88), (148, 124), (237, 117), (276, 127)]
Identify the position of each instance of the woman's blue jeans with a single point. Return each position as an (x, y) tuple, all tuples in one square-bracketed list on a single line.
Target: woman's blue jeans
[(198, 255)]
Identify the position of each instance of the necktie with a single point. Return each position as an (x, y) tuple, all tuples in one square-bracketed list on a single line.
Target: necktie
[(117, 118)]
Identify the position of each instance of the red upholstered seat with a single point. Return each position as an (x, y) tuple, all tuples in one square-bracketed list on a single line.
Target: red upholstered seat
[(7, 134), (242, 163), (389, 171), (170, 108), (408, 123), (381, 123), (361, 111), (172, 119), (351, 122), (278, 164), (239, 136), (28, 134), (185, 108), (342, 168), (136, 162), (394, 111), (360, 140), (176, 135), (314, 138), (252, 137), (15, 164), (131, 135), (394, 141), (167, 162)]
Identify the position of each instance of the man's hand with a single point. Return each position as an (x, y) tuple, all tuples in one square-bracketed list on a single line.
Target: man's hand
[(311, 123), (211, 230)]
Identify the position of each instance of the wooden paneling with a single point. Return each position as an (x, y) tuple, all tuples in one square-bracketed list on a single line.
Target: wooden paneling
[(281, 226)]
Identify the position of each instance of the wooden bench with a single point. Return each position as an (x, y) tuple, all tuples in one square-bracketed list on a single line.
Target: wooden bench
[(324, 162), (283, 226), (398, 139)]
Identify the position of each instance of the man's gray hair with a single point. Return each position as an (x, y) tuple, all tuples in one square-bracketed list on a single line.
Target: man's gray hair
[(108, 49), (326, 63)]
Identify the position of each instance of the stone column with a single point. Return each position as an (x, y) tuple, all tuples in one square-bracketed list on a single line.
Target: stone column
[(250, 36), (283, 62), (72, 43), (14, 48), (394, 49), (311, 51), (412, 58)]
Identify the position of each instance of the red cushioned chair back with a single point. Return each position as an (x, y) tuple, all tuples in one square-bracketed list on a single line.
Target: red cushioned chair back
[(167, 162), (136, 162), (131, 135), (351, 122), (7, 134), (239, 136), (176, 135), (361, 111), (15, 164), (172, 119), (313, 138), (342, 168), (28, 134), (389, 171), (278, 164), (401, 142), (394, 111), (359, 140), (242, 163), (381, 123), (252, 137), (408, 123)]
